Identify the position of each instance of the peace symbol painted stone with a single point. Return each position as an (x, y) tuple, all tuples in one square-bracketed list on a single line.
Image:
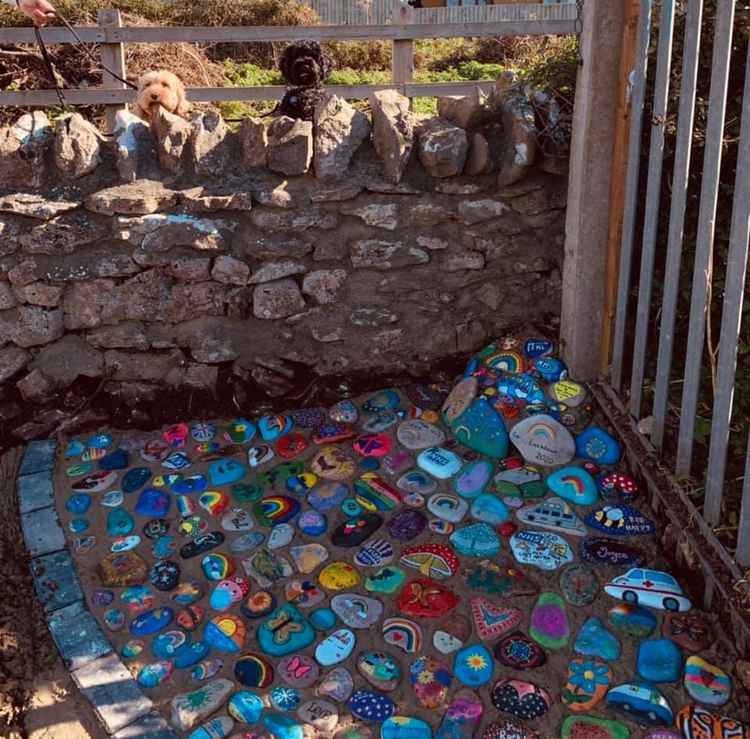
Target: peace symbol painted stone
[(473, 666), (473, 478), (492, 620), (356, 530), (374, 553), (620, 521), (601, 550), (690, 630), (332, 463), (549, 622), (366, 705), (430, 680), (425, 598), (542, 440), (481, 428), (521, 699), (416, 481), (321, 715), (335, 648), (357, 611), (187, 709), (594, 640), (706, 683), (519, 652), (432, 560), (336, 685), (698, 723), (579, 584), (379, 669), (151, 621), (459, 399), (540, 549), (417, 434), (226, 633), (590, 727), (439, 462), (598, 446), (402, 633), (253, 671), (284, 632), (405, 727), (339, 576)]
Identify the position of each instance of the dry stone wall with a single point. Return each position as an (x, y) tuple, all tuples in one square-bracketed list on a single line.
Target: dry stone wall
[(358, 242)]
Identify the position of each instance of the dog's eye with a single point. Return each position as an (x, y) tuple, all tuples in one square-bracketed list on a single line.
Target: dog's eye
[(165, 84)]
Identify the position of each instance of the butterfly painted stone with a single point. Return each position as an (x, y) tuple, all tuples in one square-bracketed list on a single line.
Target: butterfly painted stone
[(690, 630)]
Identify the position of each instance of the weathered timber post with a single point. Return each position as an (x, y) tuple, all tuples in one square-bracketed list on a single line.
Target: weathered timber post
[(402, 62), (113, 57)]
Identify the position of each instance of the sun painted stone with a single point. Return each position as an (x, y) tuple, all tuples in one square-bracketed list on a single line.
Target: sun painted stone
[(549, 621), (426, 598), (594, 640), (190, 618), (379, 669), (339, 576), (402, 633), (481, 428), (706, 683), (275, 509), (631, 619), (573, 484), (416, 434), (280, 536), (601, 550), (336, 685), (284, 632), (187, 709), (492, 620), (335, 648), (489, 509), (322, 619), (699, 723), (439, 462), (690, 630), (328, 496), (151, 621), (406, 525), (374, 553), (386, 580), (620, 521), (519, 652), (431, 680), (642, 702), (258, 605), (154, 674), (226, 633), (590, 727), (432, 560), (659, 661), (598, 446), (500, 578), (416, 481), (579, 584), (473, 665), (308, 557), (476, 540), (521, 699), (357, 611), (462, 716), (544, 550), (253, 671), (473, 478), (542, 440), (405, 727)]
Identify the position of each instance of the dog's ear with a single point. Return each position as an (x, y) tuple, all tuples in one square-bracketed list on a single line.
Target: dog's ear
[(183, 106)]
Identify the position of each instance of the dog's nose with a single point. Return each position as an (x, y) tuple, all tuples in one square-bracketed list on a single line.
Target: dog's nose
[(154, 95)]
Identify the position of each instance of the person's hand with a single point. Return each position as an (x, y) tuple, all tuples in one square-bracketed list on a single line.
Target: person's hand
[(40, 11)]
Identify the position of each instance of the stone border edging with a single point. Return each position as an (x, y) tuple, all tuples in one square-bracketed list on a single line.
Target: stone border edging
[(94, 666)]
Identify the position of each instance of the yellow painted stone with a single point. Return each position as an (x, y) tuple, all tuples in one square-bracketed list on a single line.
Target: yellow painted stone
[(339, 576), (331, 463), (565, 390)]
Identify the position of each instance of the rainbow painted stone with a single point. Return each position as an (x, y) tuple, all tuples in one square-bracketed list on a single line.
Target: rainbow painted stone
[(275, 509), (573, 484), (402, 633)]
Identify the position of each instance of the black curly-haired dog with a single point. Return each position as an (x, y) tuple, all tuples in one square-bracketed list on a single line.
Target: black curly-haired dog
[(305, 67)]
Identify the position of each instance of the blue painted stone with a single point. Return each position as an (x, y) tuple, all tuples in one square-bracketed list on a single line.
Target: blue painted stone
[(489, 509), (226, 471), (335, 648), (328, 496), (215, 728), (369, 464), (620, 521), (135, 479), (632, 619), (366, 705), (245, 707), (164, 575), (119, 522), (112, 499), (573, 484), (595, 641), (385, 400), (285, 699), (535, 348), (78, 503), (378, 422), (274, 427), (151, 621), (137, 597), (598, 446), (350, 507), (154, 674), (405, 727), (550, 368), (312, 523), (323, 619), (282, 727), (521, 387), (117, 460), (473, 479), (278, 642), (641, 702), (190, 654), (177, 461), (79, 525), (473, 665), (438, 462), (659, 661), (164, 546), (481, 428), (192, 484), (164, 646), (75, 448), (153, 503), (202, 431), (476, 540)]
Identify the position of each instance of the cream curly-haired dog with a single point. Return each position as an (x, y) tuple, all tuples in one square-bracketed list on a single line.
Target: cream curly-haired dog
[(160, 89)]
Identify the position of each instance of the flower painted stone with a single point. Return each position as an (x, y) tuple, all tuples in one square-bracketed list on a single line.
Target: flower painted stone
[(473, 666), (407, 525), (285, 699), (553, 514), (439, 462), (284, 632), (594, 640), (659, 661), (357, 611), (379, 669), (549, 622), (579, 584), (699, 723), (336, 685), (521, 699), (690, 630), (476, 540), (544, 550), (544, 441), (402, 633), (367, 705), (491, 620), (598, 446), (356, 530), (519, 652), (612, 552), (706, 683), (590, 727), (431, 680), (473, 478), (335, 648), (432, 560), (447, 507), (426, 598), (481, 428), (620, 521)]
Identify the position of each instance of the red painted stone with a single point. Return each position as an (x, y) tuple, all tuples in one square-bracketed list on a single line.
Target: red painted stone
[(427, 599)]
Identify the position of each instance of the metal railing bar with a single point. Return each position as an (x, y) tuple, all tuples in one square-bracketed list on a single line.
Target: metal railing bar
[(731, 319), (742, 555), (631, 192), (683, 151), (702, 268), (653, 198)]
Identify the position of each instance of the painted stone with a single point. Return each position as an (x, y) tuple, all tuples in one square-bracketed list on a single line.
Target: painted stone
[(285, 631), (568, 392), (202, 431), (544, 550), (298, 671), (302, 484), (396, 463), (187, 709), (432, 560), (426, 598), (164, 547), (275, 509), (500, 578), (312, 523), (336, 685), (225, 633), (280, 536), (321, 715), (351, 508), (414, 500), (187, 507), (386, 580), (190, 618), (282, 727), (332, 463), (462, 716), (706, 683), (153, 503), (448, 507), (405, 727), (590, 727), (373, 493), (78, 503), (379, 669), (328, 496), (339, 576), (690, 630), (78, 525), (439, 462), (579, 584), (357, 611), (356, 530), (187, 592), (416, 481), (473, 665), (214, 502), (277, 476), (598, 446), (549, 622), (154, 674), (308, 557), (133, 648), (519, 652), (373, 445), (542, 440), (100, 598), (247, 542), (335, 648), (177, 461), (228, 592), (155, 450), (481, 428), (473, 478), (344, 412), (374, 553), (431, 680), (304, 593), (135, 478), (476, 540), (112, 499), (521, 699), (125, 543), (459, 399), (291, 445), (237, 520), (573, 484), (520, 481), (631, 619), (402, 633), (489, 509), (416, 434), (217, 566), (612, 552), (155, 528), (491, 620), (151, 621), (78, 470), (274, 427), (164, 575), (266, 568), (245, 707), (189, 654), (309, 418), (385, 400), (620, 521), (659, 661), (426, 397), (507, 729), (698, 723), (253, 671), (207, 669), (322, 619), (618, 488), (594, 640), (96, 482), (642, 702), (367, 705), (258, 605), (119, 522), (406, 525), (192, 484), (114, 619), (216, 728)]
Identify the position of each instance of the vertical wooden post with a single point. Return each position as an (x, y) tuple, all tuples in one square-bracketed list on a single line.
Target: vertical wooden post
[(113, 57), (587, 222), (402, 63)]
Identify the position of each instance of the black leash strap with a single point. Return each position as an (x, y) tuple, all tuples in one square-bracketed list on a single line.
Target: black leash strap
[(50, 67)]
